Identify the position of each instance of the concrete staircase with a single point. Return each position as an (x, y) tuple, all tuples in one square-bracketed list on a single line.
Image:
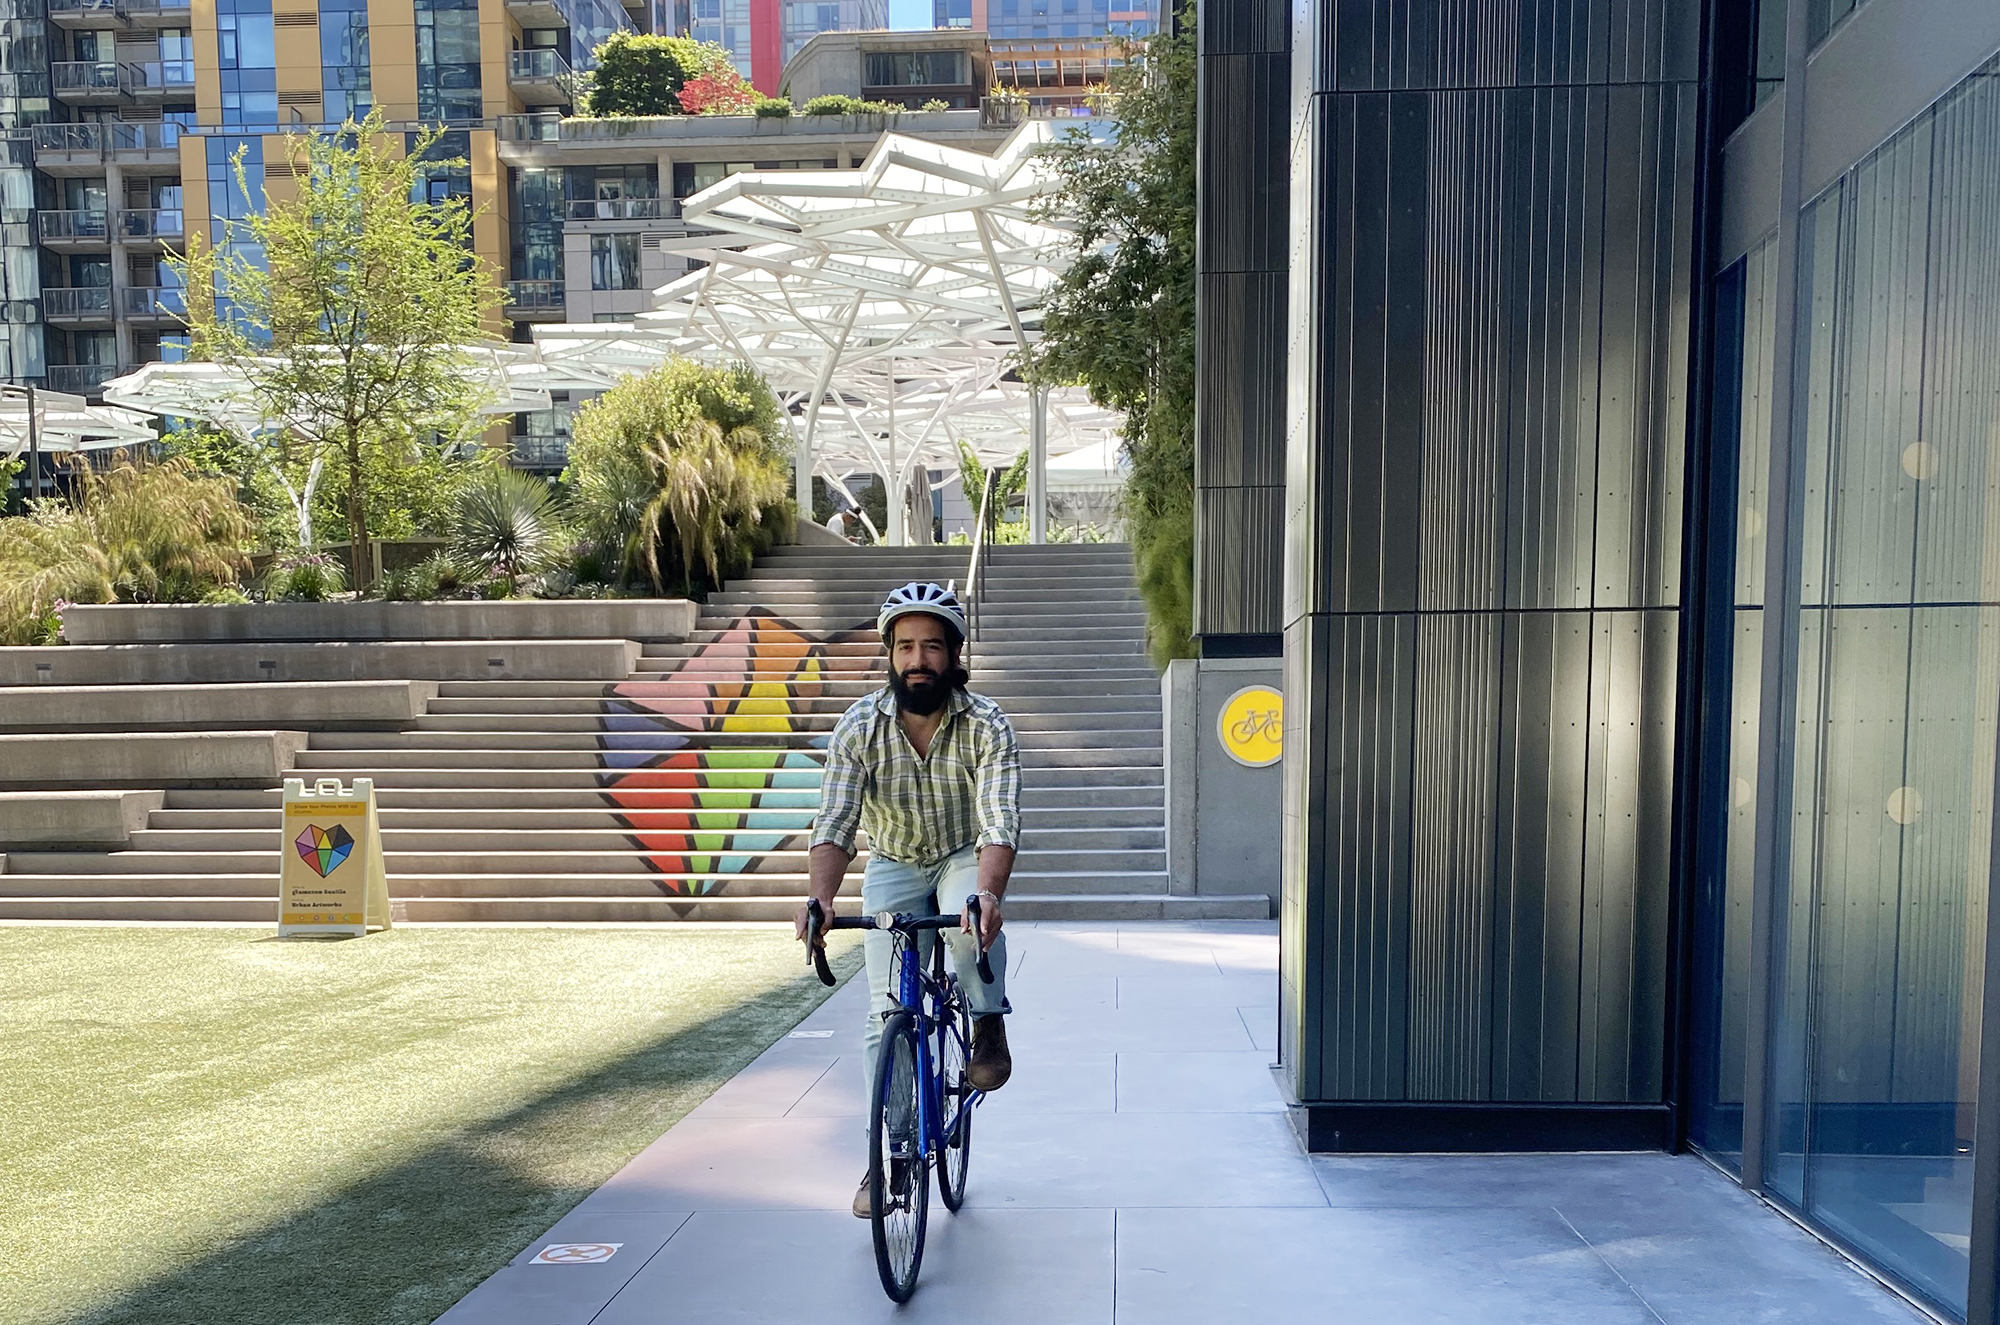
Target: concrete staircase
[(687, 791)]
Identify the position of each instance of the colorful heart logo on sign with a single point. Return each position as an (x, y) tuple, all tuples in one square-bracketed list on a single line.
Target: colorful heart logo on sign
[(323, 849)]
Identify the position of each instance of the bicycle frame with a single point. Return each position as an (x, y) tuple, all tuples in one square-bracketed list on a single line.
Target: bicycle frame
[(911, 985)]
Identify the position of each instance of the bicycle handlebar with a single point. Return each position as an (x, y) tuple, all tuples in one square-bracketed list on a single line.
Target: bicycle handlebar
[(817, 923)]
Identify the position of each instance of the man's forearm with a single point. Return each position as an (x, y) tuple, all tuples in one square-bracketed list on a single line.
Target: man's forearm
[(826, 866), (996, 863)]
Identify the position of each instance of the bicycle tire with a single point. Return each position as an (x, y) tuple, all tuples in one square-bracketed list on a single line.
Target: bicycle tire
[(901, 1196), (954, 1054)]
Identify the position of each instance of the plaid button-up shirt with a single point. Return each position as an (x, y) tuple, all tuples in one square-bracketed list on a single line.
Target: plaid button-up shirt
[(918, 811)]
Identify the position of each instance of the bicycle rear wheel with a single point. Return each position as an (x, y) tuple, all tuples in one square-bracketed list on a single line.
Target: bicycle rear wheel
[(954, 1052), (898, 1174)]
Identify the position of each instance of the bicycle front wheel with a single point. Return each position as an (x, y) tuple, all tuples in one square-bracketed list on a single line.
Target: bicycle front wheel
[(899, 1176), (955, 1092)]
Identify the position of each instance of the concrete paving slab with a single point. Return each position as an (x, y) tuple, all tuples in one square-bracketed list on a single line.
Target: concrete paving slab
[(1260, 1023), (570, 1286), (981, 1267), (1138, 1159), (741, 1164), (1308, 1267), (1232, 1082), (1236, 989), (1183, 1029)]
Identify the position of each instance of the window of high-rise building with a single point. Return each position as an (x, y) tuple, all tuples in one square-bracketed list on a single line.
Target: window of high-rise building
[(914, 68), (246, 62), (344, 59), (448, 60), (614, 262)]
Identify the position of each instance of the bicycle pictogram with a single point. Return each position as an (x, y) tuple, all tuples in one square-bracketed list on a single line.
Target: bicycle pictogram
[(577, 1253), (1258, 724)]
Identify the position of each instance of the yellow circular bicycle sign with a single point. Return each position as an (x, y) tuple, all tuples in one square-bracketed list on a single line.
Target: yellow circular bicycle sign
[(1252, 726)]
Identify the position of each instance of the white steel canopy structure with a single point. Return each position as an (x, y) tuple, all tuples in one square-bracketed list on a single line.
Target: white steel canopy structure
[(507, 378), (33, 421), (885, 305)]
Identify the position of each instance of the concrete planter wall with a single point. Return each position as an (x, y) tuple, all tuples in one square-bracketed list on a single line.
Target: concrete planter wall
[(389, 660), (529, 619), (292, 706), (149, 759)]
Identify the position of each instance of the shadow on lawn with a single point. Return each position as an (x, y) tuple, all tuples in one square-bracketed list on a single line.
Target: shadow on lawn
[(402, 1245)]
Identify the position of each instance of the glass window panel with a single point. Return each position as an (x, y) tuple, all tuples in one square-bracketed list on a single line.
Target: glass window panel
[(1882, 920)]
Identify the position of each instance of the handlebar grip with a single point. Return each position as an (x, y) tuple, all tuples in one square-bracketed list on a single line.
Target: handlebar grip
[(985, 966), (815, 954)]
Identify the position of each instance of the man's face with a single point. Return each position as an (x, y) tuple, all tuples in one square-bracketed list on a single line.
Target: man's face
[(919, 657)]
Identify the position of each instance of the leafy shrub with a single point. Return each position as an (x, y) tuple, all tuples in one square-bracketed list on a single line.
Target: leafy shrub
[(397, 585), (306, 577), (935, 104), (496, 588), (774, 108), (440, 576), (137, 533), (508, 524), (837, 103), (224, 594), (682, 472)]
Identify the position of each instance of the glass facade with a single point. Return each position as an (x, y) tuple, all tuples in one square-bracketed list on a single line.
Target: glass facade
[(246, 61), (1880, 874), (343, 46), (1017, 19), (727, 24), (448, 60)]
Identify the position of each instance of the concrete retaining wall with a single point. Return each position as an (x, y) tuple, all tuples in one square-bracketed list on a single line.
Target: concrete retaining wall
[(526, 619), (294, 706), (97, 819), (391, 660), (148, 759)]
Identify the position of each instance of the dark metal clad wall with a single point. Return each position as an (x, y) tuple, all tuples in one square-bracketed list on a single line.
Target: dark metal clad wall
[(1494, 221), (1241, 300)]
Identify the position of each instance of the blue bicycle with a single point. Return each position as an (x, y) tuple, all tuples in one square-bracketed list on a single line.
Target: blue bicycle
[(920, 1103)]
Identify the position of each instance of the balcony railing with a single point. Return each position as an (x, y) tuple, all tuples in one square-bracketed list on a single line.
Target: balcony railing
[(108, 77), (77, 301), (535, 296), (528, 128), (162, 75), (59, 9), (153, 9), (149, 302), (537, 64), (74, 225), (80, 379), (619, 209), (164, 136), (151, 223), (80, 138), (538, 451)]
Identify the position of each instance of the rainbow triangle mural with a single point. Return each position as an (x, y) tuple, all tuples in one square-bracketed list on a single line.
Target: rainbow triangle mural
[(708, 766), (324, 849)]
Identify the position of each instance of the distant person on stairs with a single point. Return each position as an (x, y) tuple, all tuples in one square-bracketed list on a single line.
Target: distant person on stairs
[(933, 772)]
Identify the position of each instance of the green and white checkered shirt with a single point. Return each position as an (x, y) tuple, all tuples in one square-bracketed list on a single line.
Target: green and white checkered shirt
[(968, 793)]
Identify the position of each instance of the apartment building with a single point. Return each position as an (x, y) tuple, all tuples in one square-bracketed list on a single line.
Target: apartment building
[(1031, 20)]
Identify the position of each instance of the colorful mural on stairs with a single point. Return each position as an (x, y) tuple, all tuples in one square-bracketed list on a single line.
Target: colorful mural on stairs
[(710, 766)]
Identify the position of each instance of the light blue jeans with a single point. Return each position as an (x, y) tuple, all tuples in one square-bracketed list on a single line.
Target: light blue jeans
[(925, 890)]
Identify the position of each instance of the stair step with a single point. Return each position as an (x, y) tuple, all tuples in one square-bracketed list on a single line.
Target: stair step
[(1143, 821), (401, 864), (550, 767), (1038, 709), (611, 837), (1122, 789), (603, 911)]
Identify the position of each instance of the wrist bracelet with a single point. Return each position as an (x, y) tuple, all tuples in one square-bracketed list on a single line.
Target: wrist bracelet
[(994, 896)]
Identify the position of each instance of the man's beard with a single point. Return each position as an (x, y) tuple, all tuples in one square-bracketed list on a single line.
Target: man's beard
[(922, 691)]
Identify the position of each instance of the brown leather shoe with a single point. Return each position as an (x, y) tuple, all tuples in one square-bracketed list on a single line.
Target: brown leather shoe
[(864, 1202), (991, 1064)]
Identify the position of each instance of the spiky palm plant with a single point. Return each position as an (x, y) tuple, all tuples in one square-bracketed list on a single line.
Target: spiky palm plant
[(509, 523)]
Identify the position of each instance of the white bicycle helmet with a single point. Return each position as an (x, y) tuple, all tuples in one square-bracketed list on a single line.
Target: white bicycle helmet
[(934, 599)]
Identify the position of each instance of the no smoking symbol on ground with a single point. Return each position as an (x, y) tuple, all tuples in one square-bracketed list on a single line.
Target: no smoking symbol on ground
[(576, 1253)]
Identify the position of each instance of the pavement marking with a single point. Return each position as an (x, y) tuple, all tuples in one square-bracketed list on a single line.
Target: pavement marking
[(576, 1253)]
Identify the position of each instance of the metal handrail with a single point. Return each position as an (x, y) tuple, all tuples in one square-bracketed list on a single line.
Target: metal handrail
[(972, 567)]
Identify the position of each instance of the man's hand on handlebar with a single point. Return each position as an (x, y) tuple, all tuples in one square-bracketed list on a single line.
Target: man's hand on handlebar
[(803, 921), (989, 920)]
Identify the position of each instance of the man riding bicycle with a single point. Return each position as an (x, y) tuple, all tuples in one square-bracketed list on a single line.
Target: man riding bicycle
[(933, 773)]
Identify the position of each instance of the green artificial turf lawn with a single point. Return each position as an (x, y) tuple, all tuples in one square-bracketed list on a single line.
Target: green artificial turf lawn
[(209, 1126)]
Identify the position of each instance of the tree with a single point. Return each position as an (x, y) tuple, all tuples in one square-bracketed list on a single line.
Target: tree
[(348, 306), (684, 472), (640, 74), (154, 533), (1120, 321)]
